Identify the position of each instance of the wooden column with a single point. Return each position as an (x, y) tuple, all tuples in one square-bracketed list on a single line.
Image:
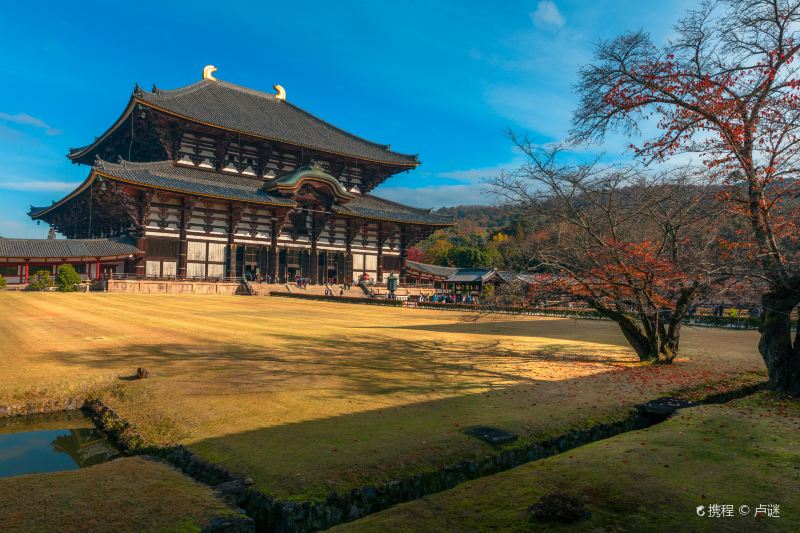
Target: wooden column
[(381, 242), (274, 254), (317, 225), (97, 274), (234, 217), (145, 199), (183, 243), (348, 255), (27, 270), (141, 262), (403, 251), (285, 271)]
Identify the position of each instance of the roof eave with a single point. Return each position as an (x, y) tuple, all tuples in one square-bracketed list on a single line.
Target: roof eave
[(75, 154)]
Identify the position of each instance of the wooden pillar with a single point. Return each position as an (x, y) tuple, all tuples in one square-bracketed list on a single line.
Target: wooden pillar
[(233, 226), (274, 253), (97, 273), (285, 270), (348, 254), (274, 262), (141, 261), (381, 240), (145, 199), (231, 267), (27, 270), (403, 252), (313, 260), (183, 243)]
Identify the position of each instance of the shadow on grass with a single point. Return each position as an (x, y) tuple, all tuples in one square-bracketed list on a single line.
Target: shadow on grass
[(352, 366), (567, 329), (412, 400)]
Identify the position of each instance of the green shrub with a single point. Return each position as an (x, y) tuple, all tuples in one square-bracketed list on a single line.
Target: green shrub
[(40, 281), (67, 279), (3, 282)]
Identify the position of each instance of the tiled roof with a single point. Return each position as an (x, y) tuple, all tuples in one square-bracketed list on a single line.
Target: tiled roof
[(89, 248), (434, 270), (239, 109), (471, 275), (170, 176), (369, 206), (192, 180)]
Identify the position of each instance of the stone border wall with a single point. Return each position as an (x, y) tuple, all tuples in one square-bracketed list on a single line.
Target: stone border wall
[(170, 287)]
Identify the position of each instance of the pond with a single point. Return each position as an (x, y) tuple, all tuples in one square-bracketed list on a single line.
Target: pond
[(50, 443)]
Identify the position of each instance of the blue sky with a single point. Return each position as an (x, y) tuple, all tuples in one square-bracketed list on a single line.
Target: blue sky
[(442, 79)]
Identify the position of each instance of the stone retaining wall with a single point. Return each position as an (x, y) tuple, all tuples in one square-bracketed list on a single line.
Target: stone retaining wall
[(171, 287)]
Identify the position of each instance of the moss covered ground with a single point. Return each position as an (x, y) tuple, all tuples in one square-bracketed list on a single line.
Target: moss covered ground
[(129, 494), (746, 452)]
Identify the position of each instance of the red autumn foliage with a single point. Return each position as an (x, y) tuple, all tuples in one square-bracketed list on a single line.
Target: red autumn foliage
[(637, 246), (727, 88)]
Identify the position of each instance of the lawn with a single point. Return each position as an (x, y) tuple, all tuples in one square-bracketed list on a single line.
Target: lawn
[(310, 397), (132, 494), (746, 452)]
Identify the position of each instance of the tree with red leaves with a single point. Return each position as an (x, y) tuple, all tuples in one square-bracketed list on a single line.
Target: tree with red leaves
[(727, 88), (639, 247)]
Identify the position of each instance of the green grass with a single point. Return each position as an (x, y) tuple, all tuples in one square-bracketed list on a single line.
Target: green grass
[(746, 452), (131, 494), (312, 397)]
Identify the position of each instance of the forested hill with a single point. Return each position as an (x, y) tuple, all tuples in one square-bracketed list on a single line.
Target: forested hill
[(475, 241), (483, 218)]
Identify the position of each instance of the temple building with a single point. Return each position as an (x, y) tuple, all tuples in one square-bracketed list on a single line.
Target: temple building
[(215, 181)]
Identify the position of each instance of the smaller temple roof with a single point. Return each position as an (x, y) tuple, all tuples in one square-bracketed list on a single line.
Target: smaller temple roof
[(434, 270), (67, 248), (472, 275)]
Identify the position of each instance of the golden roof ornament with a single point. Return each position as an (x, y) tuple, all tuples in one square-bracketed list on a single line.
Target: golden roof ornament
[(281, 92), (208, 72)]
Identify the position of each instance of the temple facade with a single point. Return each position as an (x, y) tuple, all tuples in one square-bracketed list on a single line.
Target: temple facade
[(217, 181)]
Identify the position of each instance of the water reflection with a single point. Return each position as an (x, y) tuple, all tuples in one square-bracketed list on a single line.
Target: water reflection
[(37, 445)]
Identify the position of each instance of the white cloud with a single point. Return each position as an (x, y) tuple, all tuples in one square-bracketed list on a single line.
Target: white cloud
[(547, 15), (436, 196), (25, 119), (37, 186), (470, 189)]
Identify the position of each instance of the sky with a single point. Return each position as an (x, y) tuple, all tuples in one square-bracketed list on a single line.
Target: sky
[(444, 79)]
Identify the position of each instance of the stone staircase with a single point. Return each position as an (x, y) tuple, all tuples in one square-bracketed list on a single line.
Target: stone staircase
[(316, 290)]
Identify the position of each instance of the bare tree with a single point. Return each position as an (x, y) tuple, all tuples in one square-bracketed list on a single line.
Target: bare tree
[(726, 87), (638, 247)]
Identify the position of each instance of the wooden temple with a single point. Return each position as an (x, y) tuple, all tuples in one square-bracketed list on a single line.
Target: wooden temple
[(216, 181)]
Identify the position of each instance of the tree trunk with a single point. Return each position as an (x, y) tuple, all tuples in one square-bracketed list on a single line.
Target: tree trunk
[(781, 355), (651, 350)]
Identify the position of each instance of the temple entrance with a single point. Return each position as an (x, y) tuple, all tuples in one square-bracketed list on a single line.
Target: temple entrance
[(293, 267), (253, 262)]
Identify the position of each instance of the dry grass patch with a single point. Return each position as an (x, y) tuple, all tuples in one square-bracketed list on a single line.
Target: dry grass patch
[(309, 397)]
